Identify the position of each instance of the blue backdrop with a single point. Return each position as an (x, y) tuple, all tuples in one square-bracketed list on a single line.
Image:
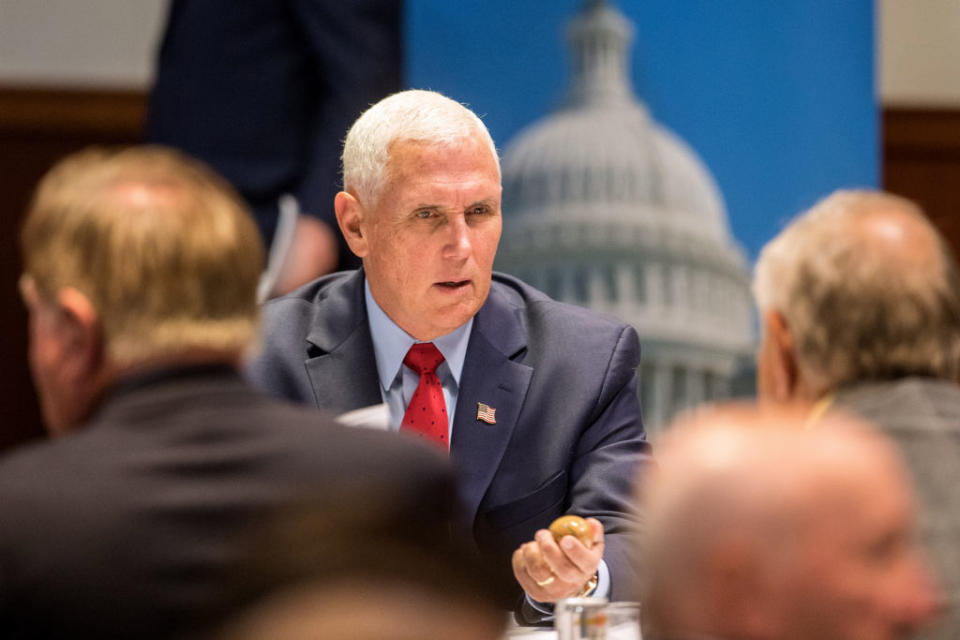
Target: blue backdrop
[(777, 97)]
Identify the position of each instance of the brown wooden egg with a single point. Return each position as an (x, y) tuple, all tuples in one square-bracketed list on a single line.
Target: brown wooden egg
[(572, 526)]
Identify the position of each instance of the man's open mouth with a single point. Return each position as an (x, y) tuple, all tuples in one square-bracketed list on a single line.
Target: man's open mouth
[(454, 284)]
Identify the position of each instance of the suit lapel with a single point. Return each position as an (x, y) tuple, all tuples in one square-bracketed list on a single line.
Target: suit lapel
[(343, 374), (492, 375)]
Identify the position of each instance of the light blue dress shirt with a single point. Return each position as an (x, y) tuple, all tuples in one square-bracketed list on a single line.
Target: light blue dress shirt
[(398, 382)]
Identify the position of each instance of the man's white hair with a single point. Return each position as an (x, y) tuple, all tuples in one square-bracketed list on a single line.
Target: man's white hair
[(860, 312), (416, 116)]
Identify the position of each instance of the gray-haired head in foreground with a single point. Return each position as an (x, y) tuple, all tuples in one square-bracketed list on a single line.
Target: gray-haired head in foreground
[(415, 116), (868, 289)]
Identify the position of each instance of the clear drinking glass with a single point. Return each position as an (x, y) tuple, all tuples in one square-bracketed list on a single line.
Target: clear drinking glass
[(623, 621)]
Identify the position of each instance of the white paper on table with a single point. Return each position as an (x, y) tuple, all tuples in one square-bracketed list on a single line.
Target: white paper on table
[(288, 211), (530, 633), (376, 417)]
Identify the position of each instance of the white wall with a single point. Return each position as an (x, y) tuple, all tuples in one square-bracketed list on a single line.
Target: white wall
[(96, 43), (919, 47)]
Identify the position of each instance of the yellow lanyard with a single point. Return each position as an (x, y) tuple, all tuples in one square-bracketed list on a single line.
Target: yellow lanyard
[(818, 411)]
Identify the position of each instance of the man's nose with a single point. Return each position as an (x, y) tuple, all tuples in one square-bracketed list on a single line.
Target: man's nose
[(458, 242)]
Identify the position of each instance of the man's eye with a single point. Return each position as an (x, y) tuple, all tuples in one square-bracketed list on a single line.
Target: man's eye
[(479, 211), (424, 214)]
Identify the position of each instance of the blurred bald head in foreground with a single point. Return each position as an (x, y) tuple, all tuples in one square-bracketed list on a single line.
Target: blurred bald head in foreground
[(760, 530)]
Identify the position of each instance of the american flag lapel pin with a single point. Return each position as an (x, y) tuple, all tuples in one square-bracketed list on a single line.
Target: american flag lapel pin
[(486, 413)]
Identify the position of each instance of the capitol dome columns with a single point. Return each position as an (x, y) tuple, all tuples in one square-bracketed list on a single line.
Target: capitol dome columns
[(605, 207), (600, 38)]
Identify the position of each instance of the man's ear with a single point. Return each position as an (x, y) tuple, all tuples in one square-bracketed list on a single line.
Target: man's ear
[(781, 375), (82, 335), (350, 220)]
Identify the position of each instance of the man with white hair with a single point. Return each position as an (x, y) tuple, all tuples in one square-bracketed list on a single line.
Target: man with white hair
[(536, 401), (860, 308), (757, 529)]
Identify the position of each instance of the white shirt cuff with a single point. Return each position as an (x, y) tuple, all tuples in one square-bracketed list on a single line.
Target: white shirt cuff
[(603, 581)]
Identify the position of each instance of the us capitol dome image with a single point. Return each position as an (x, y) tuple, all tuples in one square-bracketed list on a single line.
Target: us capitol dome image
[(606, 208)]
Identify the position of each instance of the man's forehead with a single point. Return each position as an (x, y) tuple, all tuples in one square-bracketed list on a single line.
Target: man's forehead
[(432, 175), (412, 156)]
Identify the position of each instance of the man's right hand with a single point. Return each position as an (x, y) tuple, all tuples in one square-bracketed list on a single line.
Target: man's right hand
[(549, 571)]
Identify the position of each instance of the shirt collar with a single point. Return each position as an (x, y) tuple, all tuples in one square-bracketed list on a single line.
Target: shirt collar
[(391, 343)]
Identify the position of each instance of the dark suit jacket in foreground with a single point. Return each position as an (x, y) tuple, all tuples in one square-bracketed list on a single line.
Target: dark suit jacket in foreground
[(568, 437), (923, 416), (134, 526)]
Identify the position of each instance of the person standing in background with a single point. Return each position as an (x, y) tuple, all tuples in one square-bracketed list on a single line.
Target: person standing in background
[(263, 91)]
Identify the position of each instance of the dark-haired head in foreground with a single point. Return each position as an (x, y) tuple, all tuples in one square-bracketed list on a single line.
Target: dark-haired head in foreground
[(359, 565)]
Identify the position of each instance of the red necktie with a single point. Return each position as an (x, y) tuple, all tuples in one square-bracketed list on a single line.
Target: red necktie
[(427, 412)]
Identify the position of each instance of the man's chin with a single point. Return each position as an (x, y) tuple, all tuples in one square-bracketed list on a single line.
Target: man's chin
[(450, 317)]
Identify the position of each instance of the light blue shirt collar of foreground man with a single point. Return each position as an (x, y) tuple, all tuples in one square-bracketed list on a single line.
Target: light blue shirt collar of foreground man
[(397, 384)]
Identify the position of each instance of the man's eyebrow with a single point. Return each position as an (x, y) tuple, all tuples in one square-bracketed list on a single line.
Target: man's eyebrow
[(422, 206), (487, 202)]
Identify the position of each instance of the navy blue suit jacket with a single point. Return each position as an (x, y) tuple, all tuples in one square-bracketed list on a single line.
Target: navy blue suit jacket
[(568, 436), (265, 90)]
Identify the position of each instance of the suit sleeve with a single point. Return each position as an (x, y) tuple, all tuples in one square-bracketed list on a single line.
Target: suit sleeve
[(610, 454)]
